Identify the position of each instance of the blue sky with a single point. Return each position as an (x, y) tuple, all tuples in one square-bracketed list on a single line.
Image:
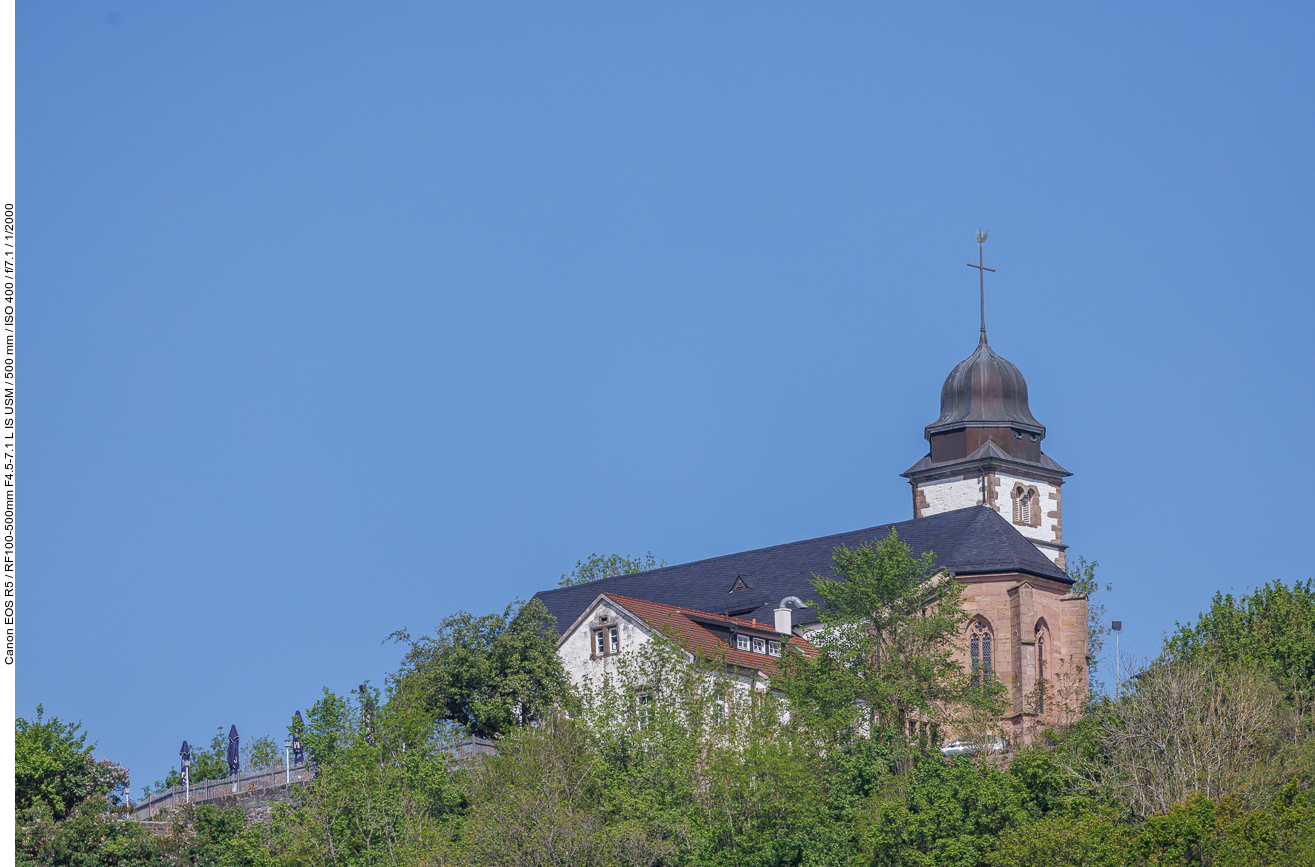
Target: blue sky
[(339, 318)]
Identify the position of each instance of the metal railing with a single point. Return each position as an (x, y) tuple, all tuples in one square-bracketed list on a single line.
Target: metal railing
[(213, 790)]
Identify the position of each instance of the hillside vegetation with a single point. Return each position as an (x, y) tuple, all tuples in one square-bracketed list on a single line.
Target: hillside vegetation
[(1205, 758)]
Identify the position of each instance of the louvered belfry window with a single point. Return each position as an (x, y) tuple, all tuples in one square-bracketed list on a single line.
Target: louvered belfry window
[(1023, 506)]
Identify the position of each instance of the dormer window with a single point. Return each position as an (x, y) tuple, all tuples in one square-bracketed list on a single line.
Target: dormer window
[(741, 642), (773, 648), (759, 645)]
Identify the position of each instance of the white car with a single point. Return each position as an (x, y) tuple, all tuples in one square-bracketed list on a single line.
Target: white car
[(968, 748)]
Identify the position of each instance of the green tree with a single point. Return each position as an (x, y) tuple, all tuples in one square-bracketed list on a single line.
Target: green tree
[(54, 765), (596, 566), (893, 624), (369, 804), (330, 723), (945, 814), (1084, 581), (381, 795), (1061, 840), (539, 802), (1194, 728), (1273, 627), (88, 835), (486, 674), (697, 761)]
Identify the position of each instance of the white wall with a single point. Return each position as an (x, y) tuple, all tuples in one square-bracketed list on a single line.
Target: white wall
[(946, 495), (960, 492), (576, 649)]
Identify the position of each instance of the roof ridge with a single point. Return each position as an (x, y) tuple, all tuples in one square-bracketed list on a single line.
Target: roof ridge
[(725, 618), (733, 655), (774, 547)]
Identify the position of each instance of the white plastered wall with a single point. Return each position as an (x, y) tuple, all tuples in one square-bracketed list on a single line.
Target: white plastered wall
[(576, 647), (946, 495), (1047, 501), (960, 492)]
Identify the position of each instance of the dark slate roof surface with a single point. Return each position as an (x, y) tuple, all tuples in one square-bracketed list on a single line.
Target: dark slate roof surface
[(968, 541), (987, 451)]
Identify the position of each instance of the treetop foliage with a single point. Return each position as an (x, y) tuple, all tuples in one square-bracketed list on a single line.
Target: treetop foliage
[(486, 674), (1083, 574), (893, 623), (1272, 627), (54, 766), (596, 566)]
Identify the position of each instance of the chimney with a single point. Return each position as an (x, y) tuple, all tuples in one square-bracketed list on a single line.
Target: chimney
[(783, 620)]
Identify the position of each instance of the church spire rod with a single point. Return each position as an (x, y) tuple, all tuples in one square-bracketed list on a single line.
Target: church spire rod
[(981, 271)]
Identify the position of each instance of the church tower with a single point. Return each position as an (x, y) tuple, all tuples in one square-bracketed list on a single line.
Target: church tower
[(986, 450)]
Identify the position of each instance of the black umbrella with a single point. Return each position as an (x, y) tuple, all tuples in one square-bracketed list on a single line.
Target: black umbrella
[(234, 761), (186, 753), (298, 755)]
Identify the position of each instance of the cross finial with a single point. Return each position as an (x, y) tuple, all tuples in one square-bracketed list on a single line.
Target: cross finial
[(981, 271)]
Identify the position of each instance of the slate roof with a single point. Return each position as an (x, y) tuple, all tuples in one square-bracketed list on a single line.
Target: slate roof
[(976, 540), (987, 452), (682, 626)]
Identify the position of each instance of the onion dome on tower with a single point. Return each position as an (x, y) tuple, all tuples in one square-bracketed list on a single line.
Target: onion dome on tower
[(986, 450), (984, 399)]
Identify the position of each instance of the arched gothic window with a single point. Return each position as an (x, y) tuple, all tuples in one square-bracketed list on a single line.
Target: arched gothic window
[(1041, 650), (979, 652)]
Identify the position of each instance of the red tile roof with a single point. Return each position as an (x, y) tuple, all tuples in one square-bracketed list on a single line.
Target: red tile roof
[(682, 626)]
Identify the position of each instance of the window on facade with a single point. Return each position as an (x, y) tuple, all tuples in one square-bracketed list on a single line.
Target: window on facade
[(741, 642), (607, 640), (773, 648), (645, 715), (759, 645), (979, 652), (1024, 506), (1040, 671)]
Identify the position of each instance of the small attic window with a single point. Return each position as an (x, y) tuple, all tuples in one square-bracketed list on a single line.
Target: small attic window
[(773, 648), (741, 642), (738, 585), (759, 645)]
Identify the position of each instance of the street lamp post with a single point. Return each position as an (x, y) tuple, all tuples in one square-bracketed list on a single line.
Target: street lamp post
[(1117, 626)]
